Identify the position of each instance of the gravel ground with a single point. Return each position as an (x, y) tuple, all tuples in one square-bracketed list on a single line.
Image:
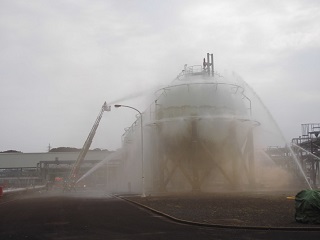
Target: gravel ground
[(264, 208)]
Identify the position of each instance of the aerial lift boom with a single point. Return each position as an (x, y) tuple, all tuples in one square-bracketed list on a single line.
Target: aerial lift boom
[(73, 176)]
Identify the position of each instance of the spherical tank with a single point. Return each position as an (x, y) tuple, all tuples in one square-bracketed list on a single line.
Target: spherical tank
[(204, 128), (201, 107)]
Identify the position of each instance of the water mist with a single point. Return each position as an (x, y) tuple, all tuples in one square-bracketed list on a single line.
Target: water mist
[(203, 132)]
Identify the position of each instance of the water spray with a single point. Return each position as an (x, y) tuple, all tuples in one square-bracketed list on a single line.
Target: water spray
[(301, 148)]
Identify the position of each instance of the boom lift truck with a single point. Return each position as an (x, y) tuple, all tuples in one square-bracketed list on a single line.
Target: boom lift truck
[(73, 176)]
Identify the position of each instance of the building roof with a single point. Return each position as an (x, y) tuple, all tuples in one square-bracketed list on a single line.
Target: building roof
[(20, 160)]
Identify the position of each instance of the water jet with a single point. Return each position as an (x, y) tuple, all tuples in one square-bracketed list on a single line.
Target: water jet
[(202, 132)]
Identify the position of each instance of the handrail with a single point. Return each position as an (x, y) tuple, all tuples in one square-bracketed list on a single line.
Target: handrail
[(152, 106), (191, 70)]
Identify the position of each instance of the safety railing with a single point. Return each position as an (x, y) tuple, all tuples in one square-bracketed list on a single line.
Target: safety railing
[(150, 114)]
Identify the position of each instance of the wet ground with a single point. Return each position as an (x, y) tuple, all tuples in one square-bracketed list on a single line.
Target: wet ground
[(93, 215), (258, 209)]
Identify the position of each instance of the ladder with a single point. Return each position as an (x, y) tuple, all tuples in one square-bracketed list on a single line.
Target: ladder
[(73, 176)]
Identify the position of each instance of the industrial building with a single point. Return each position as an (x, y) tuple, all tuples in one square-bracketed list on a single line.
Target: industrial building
[(302, 156), (25, 169)]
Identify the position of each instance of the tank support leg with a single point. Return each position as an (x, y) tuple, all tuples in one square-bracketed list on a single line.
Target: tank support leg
[(251, 162), (194, 155)]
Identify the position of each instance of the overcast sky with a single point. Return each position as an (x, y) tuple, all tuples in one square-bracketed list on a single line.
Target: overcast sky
[(60, 60)]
